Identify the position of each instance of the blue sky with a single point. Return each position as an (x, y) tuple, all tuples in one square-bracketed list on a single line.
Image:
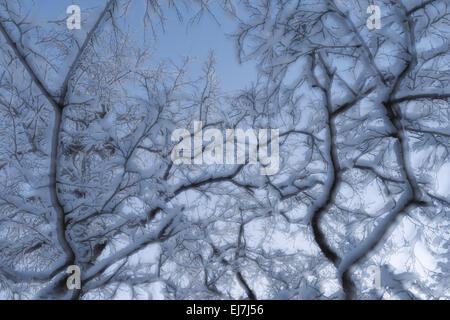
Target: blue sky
[(179, 39), (198, 39)]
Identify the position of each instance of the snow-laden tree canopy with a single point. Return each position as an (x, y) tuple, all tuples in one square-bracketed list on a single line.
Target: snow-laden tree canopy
[(87, 179)]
